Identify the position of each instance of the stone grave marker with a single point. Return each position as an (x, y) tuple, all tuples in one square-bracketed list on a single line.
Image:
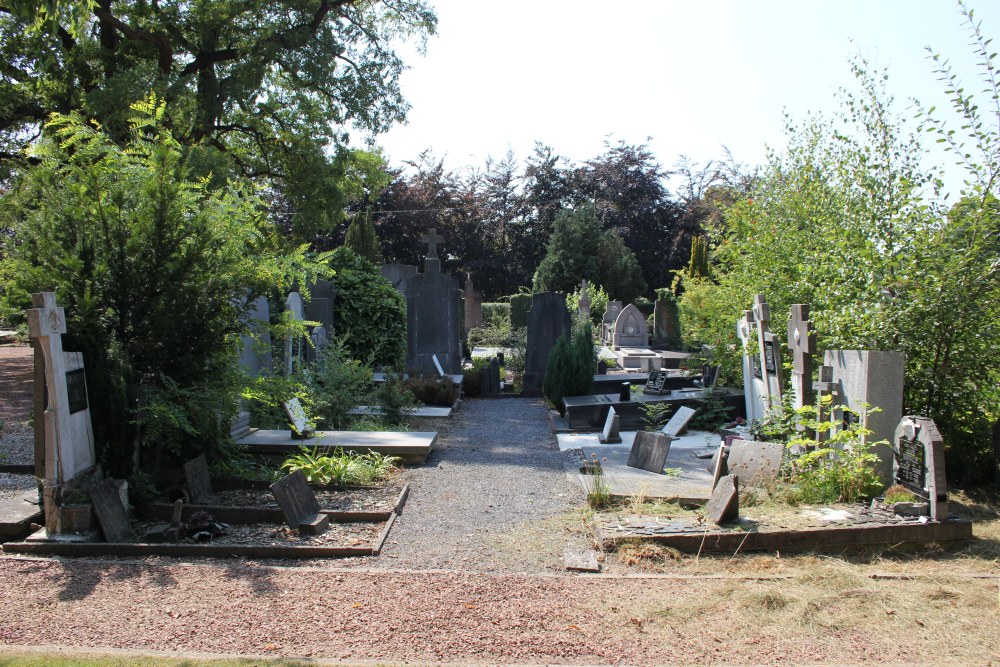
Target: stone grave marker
[(802, 343), (602, 367), (611, 434), (754, 389), (398, 274), (547, 320), (255, 355), (655, 382), (320, 306), (299, 505), (199, 482), (919, 463), (434, 316), (293, 342), (719, 467), (755, 463), (111, 509), (631, 329), (770, 351), (301, 426), (581, 560), (649, 451), (473, 305), (678, 421), (666, 326), (437, 365), (611, 314), (584, 304), (724, 504)]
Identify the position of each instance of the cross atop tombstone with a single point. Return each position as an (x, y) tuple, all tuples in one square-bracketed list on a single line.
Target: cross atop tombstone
[(769, 352), (802, 343), (432, 239)]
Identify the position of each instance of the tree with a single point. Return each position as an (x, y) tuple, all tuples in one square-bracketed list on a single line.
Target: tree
[(572, 252), (362, 239), (619, 269), (258, 92)]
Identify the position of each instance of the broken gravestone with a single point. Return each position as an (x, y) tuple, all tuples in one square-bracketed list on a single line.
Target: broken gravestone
[(301, 427), (299, 505), (755, 463), (109, 497), (649, 451), (719, 467), (199, 482), (581, 560), (724, 505), (919, 463), (678, 421), (610, 434)]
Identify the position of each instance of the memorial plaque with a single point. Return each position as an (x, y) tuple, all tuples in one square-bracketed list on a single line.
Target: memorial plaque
[(76, 390), (911, 471), (199, 482), (769, 357), (654, 385)]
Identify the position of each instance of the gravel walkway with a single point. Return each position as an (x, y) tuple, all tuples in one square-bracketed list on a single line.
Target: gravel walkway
[(17, 444)]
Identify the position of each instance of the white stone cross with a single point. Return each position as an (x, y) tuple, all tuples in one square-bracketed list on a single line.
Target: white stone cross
[(767, 346)]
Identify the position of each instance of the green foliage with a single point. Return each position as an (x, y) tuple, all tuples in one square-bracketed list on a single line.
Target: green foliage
[(572, 252), (440, 392), (598, 302), (655, 415), (148, 264), (619, 269), (520, 305), (496, 313), (394, 399), (340, 467), (596, 483), (495, 331), (711, 413), (698, 265), (370, 314), (362, 239), (570, 368), (337, 383)]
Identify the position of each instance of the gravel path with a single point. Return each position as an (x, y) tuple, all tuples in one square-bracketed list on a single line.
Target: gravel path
[(17, 445)]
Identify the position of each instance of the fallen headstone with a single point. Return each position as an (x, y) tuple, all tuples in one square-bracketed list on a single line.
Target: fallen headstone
[(755, 463), (199, 482), (299, 505), (649, 451), (611, 434), (581, 560), (111, 510), (301, 427), (720, 469), (724, 505), (678, 421)]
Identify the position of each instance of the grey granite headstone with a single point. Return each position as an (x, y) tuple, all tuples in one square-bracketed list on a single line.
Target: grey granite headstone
[(473, 305), (297, 415), (724, 505), (678, 421), (649, 451), (255, 356), (919, 462), (434, 316), (611, 434), (631, 329), (199, 482), (755, 463), (111, 510), (611, 313), (299, 505), (547, 320), (398, 274)]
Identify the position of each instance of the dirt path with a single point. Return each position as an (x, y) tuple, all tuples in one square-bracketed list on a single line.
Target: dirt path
[(16, 370)]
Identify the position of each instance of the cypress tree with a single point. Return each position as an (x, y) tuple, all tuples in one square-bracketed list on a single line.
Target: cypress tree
[(362, 239)]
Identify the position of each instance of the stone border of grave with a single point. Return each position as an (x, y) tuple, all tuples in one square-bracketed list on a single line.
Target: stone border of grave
[(209, 550)]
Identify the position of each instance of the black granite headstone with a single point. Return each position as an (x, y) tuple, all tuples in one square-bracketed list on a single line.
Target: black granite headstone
[(547, 320), (649, 451)]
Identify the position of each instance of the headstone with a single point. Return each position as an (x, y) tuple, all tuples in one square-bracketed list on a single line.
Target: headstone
[(678, 421), (398, 274), (666, 326), (611, 434), (802, 344), (68, 434), (293, 342), (320, 339), (584, 304), (434, 315), (631, 329), (655, 382), (919, 463), (301, 426), (724, 505), (495, 375), (437, 365), (602, 367), (611, 314), (321, 306), (547, 320), (874, 378), (770, 351), (649, 451), (299, 505), (112, 510), (255, 356), (755, 463), (754, 389), (199, 482), (719, 466), (581, 560), (473, 305)]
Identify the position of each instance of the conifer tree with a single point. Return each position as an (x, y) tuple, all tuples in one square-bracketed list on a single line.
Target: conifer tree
[(362, 239)]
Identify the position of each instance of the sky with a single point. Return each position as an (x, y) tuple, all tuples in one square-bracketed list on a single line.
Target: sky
[(690, 77)]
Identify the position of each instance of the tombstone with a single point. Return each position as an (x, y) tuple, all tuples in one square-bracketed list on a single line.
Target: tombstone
[(295, 309), (581, 560), (770, 351), (110, 499), (754, 391), (547, 320), (68, 434), (489, 379), (320, 306), (610, 434), (755, 463), (602, 367), (802, 344), (649, 451), (320, 339), (666, 325), (301, 426), (255, 355), (398, 274), (434, 314), (631, 329), (874, 378), (584, 303), (724, 504), (719, 468), (495, 374), (655, 382), (199, 482), (919, 463), (678, 421), (608, 323), (473, 305), (299, 505)]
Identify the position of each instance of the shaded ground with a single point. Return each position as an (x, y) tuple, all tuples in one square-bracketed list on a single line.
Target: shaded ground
[(16, 370)]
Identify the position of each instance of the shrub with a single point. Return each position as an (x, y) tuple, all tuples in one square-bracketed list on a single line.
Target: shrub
[(337, 383), (340, 467), (598, 302), (362, 239), (570, 368), (394, 399), (520, 304), (496, 313), (428, 390)]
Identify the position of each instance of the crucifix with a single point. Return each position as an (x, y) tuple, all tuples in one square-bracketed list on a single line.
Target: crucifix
[(47, 324), (802, 343), (824, 384), (432, 239), (769, 350)]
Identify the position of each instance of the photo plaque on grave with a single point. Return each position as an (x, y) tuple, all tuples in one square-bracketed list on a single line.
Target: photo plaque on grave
[(654, 385), (76, 390), (769, 364)]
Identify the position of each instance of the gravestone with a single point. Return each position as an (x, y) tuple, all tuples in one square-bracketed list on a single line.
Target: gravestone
[(255, 355), (581, 560), (473, 305), (649, 451), (199, 482), (301, 426), (654, 384), (719, 467), (68, 434), (724, 504), (111, 509), (874, 378), (320, 339), (678, 421), (602, 367), (610, 434), (434, 314), (489, 379), (802, 344), (754, 390), (547, 320), (611, 314), (666, 325), (320, 306), (299, 505), (919, 463), (437, 365), (398, 274), (770, 351), (295, 310), (584, 303), (755, 463), (631, 329)]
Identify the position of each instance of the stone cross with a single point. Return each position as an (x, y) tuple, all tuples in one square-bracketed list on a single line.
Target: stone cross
[(824, 385), (753, 389), (802, 343), (769, 351), (432, 239)]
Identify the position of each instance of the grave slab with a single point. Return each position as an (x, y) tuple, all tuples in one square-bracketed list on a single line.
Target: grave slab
[(111, 510), (299, 505), (755, 463), (678, 421), (724, 505), (199, 482), (649, 451), (413, 447), (611, 434), (18, 512), (581, 560)]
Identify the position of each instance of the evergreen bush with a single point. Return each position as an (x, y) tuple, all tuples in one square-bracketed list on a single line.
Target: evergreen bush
[(362, 239), (520, 304), (570, 368)]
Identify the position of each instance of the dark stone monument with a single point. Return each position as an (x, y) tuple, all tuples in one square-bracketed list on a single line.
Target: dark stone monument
[(724, 505), (112, 510), (919, 463), (547, 320), (649, 451), (666, 324), (473, 305), (398, 274), (654, 385), (434, 315), (299, 505), (199, 482)]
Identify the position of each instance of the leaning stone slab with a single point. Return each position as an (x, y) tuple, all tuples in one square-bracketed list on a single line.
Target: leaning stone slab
[(724, 505), (678, 421), (299, 505), (755, 463), (649, 451), (111, 510), (199, 482), (611, 433)]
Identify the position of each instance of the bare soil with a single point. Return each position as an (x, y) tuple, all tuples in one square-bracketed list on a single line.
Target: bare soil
[(351, 499)]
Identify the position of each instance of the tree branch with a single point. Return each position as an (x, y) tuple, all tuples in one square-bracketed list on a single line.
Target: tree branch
[(165, 52)]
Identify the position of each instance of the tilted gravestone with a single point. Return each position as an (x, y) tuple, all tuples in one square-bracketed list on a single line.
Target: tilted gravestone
[(755, 463), (299, 505), (434, 315), (611, 433), (719, 468), (112, 509), (301, 426), (649, 451), (919, 463), (295, 308), (678, 421), (547, 320), (724, 504), (473, 305), (631, 329), (199, 482)]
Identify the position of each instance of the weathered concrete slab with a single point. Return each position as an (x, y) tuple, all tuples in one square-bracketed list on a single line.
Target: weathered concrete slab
[(425, 411), (17, 513), (581, 560), (413, 447)]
